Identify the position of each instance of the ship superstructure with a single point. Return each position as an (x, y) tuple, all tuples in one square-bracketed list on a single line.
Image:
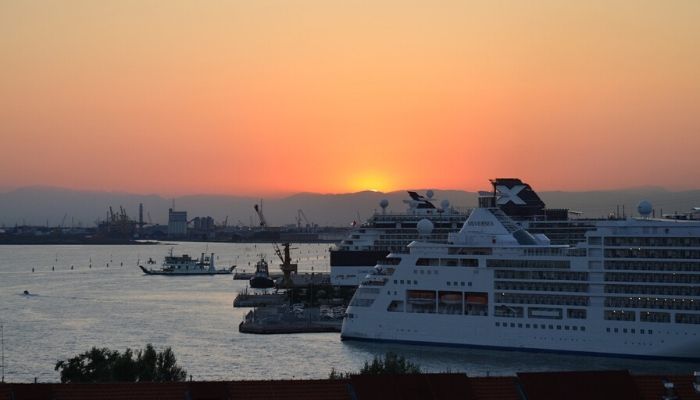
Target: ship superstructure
[(387, 232), (631, 288)]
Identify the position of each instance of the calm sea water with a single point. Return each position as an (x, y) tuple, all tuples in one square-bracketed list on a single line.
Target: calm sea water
[(113, 304)]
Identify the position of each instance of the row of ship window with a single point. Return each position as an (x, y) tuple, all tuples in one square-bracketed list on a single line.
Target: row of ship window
[(411, 231), (652, 302), (521, 298), (447, 262), (651, 253), (651, 316), (478, 251), (541, 326), (528, 264), (442, 308), (631, 330), (654, 289), (473, 262), (691, 266), (649, 241), (542, 275), (539, 312), (541, 286), (651, 278), (415, 282), (546, 251)]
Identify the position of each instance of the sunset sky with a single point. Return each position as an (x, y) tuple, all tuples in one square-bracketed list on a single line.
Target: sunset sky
[(276, 97)]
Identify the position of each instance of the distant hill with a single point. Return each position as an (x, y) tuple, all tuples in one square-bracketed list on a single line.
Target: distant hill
[(42, 205)]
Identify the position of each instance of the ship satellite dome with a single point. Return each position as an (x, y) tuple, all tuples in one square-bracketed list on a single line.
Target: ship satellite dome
[(430, 194), (644, 208), (425, 227), (445, 204), (384, 203)]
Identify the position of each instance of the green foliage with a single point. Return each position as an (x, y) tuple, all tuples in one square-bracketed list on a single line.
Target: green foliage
[(390, 364), (338, 375), (105, 365)]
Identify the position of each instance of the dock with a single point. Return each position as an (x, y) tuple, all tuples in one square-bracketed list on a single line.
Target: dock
[(295, 319), (246, 299), (299, 280), (244, 276)]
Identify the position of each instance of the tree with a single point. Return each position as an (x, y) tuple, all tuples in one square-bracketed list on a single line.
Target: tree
[(390, 364), (105, 365)]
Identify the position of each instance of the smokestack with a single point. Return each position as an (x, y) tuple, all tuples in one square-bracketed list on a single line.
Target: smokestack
[(141, 215)]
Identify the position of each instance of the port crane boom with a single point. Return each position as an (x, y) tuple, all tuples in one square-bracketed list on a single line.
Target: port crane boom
[(259, 211)]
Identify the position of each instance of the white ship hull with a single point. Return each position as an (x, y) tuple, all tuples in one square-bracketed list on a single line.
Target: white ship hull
[(475, 331), (633, 289)]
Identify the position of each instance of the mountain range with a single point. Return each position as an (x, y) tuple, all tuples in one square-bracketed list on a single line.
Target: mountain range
[(64, 207)]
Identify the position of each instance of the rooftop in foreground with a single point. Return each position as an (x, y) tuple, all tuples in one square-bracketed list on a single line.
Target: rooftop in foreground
[(618, 385)]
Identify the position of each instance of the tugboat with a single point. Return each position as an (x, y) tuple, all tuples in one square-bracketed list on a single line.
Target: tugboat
[(186, 265), (261, 279)]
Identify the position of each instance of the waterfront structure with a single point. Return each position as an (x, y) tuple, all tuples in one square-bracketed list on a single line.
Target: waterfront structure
[(631, 288), (177, 223)]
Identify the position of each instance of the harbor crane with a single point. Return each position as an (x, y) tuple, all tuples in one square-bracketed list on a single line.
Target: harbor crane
[(301, 216), (287, 266), (259, 211)]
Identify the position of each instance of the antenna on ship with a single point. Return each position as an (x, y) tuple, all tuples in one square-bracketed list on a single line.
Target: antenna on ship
[(383, 204), (2, 345), (644, 209)]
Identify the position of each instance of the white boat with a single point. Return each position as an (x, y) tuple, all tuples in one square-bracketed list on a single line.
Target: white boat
[(631, 288), (184, 265)]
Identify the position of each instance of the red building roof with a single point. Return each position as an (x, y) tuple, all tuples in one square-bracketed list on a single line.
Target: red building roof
[(599, 385)]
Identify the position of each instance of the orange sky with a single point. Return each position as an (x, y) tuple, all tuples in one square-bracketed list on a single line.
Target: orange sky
[(272, 97)]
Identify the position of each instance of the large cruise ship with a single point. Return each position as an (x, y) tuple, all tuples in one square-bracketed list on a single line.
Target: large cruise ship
[(631, 288), (386, 232)]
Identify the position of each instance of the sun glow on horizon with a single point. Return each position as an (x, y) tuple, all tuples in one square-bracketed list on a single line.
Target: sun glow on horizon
[(370, 181), (277, 97)]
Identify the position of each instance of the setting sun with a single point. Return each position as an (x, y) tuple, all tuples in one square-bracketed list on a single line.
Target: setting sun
[(371, 181)]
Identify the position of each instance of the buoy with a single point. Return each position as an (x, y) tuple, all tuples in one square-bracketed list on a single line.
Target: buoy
[(26, 292), (121, 264), (71, 267), (32, 269), (53, 268)]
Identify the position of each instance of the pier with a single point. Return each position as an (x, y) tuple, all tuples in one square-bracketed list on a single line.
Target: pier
[(295, 319)]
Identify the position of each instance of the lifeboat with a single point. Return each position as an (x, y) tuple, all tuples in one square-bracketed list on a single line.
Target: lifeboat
[(421, 297), (451, 298), (477, 298)]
